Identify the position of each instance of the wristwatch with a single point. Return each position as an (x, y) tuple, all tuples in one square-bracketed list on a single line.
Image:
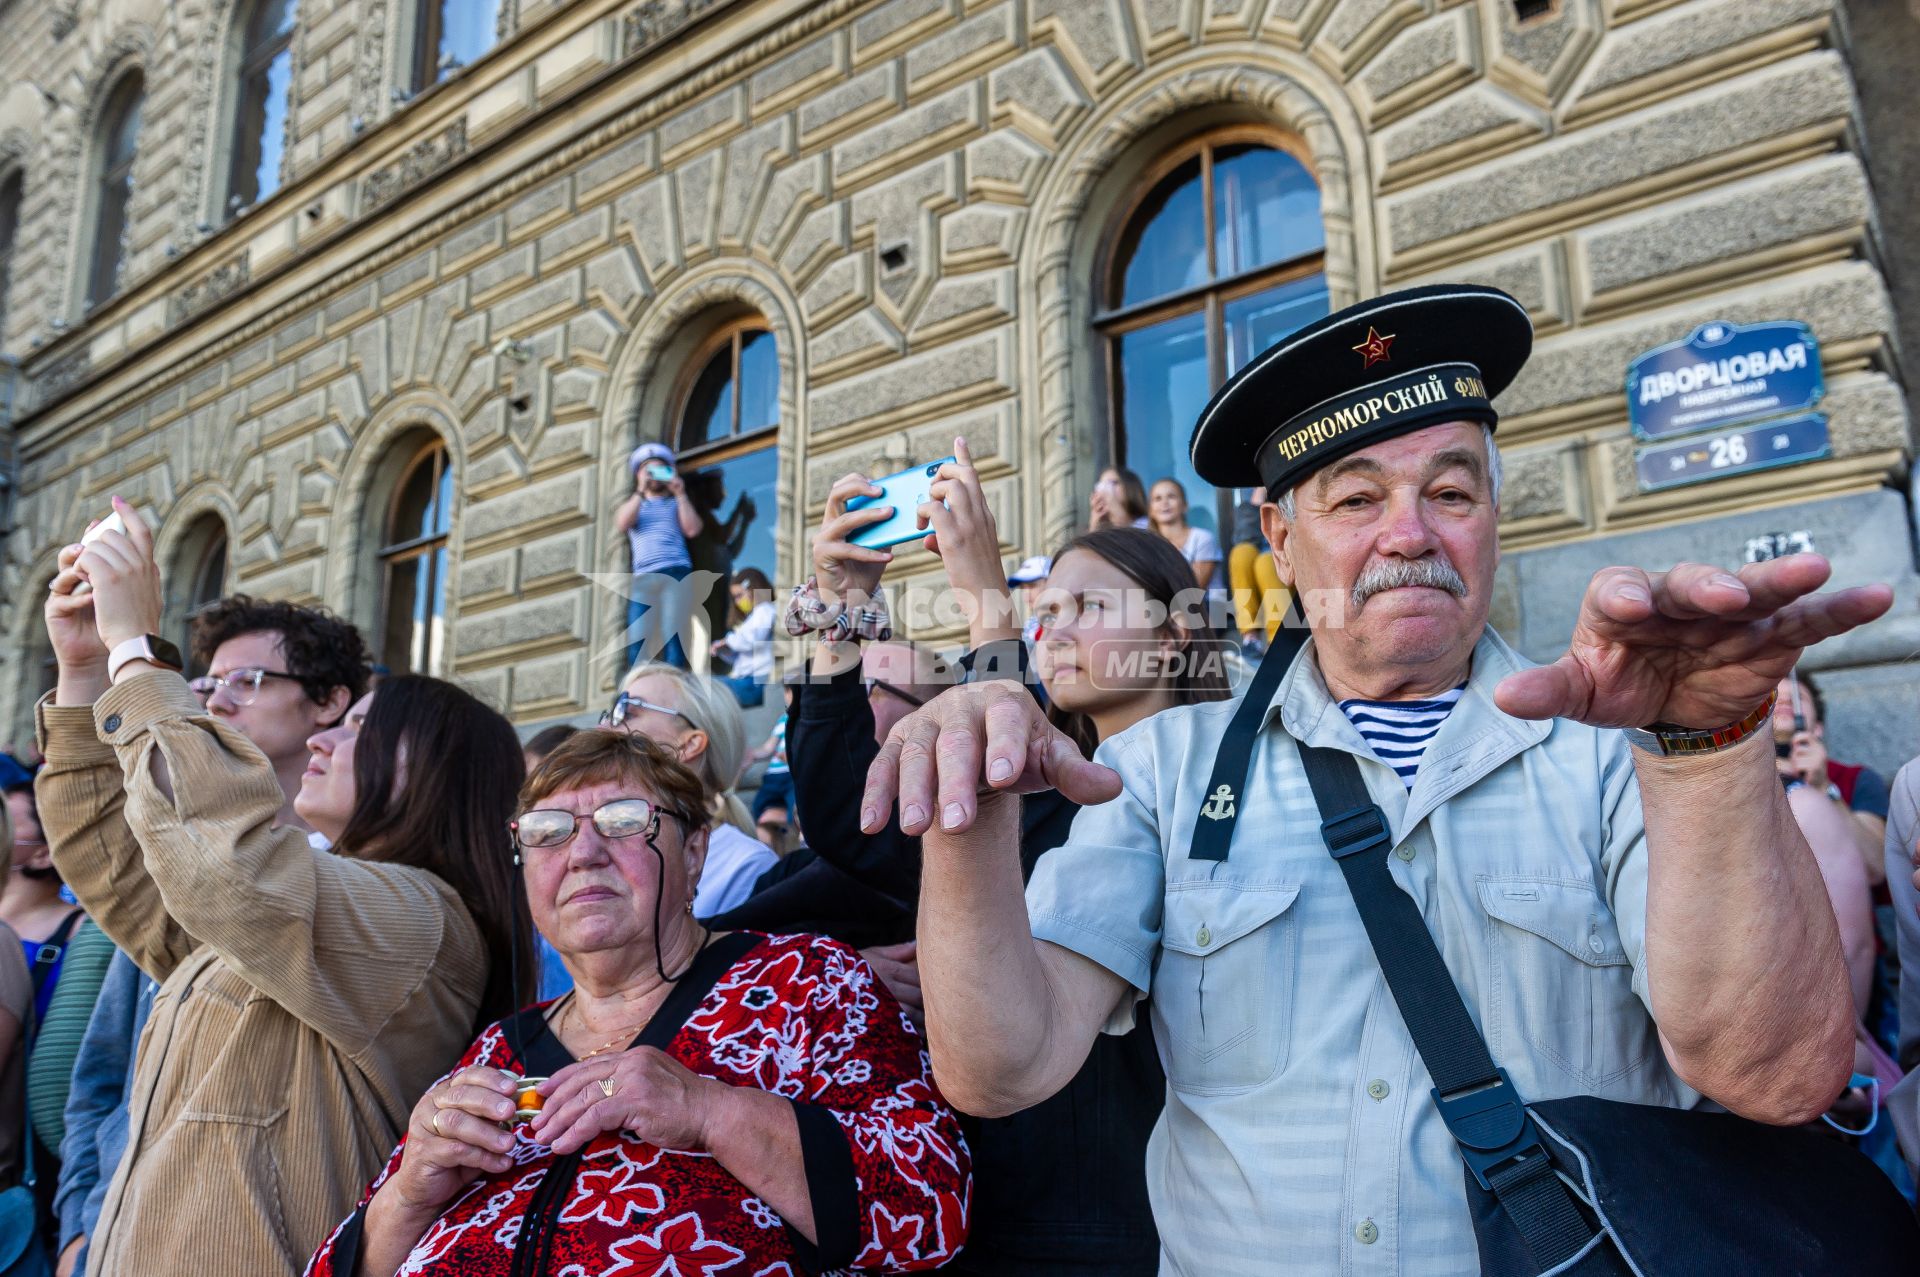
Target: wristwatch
[(1670, 740), (150, 648)]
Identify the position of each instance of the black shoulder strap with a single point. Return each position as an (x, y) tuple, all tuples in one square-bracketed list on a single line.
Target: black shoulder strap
[(1476, 1098), (692, 988), (48, 955), (1227, 786)]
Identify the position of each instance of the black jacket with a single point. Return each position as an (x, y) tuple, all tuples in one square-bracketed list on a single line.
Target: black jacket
[(1060, 1188)]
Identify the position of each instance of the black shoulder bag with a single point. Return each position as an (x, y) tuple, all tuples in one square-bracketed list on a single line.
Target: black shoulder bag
[(1585, 1186)]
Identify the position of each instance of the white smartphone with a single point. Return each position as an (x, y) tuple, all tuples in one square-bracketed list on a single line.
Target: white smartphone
[(112, 523)]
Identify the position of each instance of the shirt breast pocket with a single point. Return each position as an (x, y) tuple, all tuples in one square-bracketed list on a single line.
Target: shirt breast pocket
[(1224, 987), (1561, 980)]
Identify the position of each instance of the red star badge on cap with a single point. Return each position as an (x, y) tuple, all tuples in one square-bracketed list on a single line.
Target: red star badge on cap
[(1374, 348)]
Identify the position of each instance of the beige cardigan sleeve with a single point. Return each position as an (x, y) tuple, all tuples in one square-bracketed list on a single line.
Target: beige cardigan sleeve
[(339, 943), (82, 799)]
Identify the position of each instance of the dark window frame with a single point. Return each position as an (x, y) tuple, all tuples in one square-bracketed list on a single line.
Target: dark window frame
[(429, 29), (728, 338), (258, 52), (13, 198), (209, 567), (1112, 321), (396, 550), (113, 187)]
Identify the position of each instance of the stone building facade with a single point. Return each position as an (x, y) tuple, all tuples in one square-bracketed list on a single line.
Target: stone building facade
[(514, 262)]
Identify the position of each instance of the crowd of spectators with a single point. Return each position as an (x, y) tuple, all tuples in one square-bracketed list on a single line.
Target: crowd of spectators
[(305, 971)]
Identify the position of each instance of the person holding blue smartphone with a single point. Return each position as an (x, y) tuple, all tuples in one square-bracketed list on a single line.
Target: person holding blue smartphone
[(658, 519)]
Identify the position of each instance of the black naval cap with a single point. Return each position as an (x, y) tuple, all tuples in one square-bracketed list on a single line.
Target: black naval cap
[(1398, 363)]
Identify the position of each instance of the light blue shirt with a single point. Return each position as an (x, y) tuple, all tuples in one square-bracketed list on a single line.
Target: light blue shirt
[(1299, 1134)]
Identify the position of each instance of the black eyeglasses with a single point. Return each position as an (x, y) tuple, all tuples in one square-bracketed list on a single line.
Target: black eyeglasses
[(546, 827), (881, 685), (243, 685), (624, 705)]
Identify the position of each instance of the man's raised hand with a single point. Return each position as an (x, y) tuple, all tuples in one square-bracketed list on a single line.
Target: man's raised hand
[(1696, 646), (973, 740)]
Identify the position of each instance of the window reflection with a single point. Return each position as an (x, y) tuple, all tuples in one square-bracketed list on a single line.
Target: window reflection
[(1220, 257), (202, 578), (450, 34), (1168, 251), (728, 424), (118, 142), (414, 563), (1164, 385), (1266, 208), (260, 117)]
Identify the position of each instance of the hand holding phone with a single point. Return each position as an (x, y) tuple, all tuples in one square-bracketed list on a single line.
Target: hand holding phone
[(112, 523), (906, 492)]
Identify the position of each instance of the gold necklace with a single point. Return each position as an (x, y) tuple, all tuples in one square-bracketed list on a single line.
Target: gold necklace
[(620, 1039)]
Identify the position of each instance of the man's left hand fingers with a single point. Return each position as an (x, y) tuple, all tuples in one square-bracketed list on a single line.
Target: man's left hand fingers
[(1806, 622), (1692, 591)]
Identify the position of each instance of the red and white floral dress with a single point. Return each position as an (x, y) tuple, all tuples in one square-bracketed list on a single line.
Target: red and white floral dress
[(796, 1016)]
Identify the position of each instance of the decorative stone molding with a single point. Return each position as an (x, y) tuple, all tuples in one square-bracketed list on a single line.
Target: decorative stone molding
[(218, 284), (1058, 293), (60, 376), (425, 158), (655, 20)]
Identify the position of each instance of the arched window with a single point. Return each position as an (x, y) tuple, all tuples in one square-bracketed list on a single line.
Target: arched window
[(450, 34), (115, 142), (264, 31), (198, 579), (1220, 255), (11, 188), (413, 562), (726, 421)]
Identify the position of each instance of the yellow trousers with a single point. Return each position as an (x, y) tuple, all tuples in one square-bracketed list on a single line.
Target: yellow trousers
[(1259, 600)]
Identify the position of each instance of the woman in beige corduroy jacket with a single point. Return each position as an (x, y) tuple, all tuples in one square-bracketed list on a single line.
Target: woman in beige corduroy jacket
[(307, 995)]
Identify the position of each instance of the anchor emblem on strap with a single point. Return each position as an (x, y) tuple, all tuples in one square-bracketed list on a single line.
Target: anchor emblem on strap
[(1220, 806)]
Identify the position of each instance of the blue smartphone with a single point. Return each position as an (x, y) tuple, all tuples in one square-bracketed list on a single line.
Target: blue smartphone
[(906, 492)]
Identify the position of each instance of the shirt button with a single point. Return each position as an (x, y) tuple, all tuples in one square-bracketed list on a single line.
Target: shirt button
[(1595, 943), (1205, 937), (112, 724), (1405, 852), (1365, 1233), (1378, 1089)]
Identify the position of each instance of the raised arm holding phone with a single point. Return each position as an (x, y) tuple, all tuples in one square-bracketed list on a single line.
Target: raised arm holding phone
[(306, 995)]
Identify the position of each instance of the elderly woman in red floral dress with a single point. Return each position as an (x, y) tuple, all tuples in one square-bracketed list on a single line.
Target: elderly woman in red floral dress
[(731, 1106)]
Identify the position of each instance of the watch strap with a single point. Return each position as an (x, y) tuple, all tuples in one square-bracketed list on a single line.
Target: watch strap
[(1669, 740), (150, 648)]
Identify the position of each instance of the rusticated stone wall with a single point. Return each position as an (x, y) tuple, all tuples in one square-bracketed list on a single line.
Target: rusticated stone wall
[(614, 176)]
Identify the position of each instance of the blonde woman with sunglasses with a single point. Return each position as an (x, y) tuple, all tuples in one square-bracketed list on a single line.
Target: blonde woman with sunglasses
[(698, 719)]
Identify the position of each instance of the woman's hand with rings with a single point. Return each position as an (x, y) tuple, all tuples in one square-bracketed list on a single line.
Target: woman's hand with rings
[(457, 1133), (641, 1090)]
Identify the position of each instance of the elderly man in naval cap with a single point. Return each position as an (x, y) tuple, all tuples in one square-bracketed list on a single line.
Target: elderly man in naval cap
[(1627, 914)]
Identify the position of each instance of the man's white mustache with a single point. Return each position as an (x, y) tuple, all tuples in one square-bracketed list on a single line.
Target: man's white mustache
[(1396, 574)]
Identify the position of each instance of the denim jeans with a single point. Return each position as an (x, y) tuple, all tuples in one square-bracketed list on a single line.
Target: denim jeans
[(749, 692), (657, 610)]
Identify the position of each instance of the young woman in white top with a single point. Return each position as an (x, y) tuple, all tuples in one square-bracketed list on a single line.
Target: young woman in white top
[(749, 644), (696, 717), (1167, 505)]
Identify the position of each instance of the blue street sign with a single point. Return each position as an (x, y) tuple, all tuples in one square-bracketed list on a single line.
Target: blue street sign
[(1775, 443), (1721, 374)]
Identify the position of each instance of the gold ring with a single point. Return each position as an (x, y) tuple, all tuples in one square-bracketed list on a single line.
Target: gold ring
[(606, 1087), (438, 1113)]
